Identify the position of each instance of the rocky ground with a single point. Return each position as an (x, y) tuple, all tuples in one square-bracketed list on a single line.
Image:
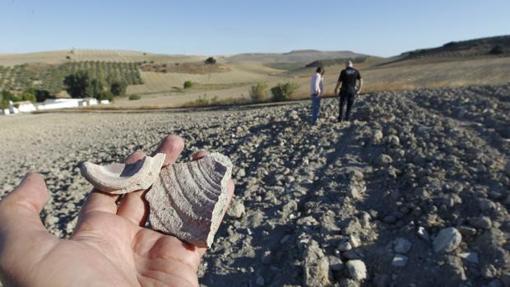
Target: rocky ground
[(414, 192)]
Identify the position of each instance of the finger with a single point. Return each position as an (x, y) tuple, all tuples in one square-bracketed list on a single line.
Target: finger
[(199, 155), (98, 201), (19, 211), (23, 238), (172, 146), (133, 206), (169, 256)]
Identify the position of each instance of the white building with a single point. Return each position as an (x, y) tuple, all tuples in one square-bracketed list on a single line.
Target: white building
[(25, 107), (53, 104), (5, 112), (11, 110), (90, 101), (50, 104)]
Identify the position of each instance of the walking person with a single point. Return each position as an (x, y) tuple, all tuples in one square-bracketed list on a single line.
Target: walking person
[(350, 84), (316, 91)]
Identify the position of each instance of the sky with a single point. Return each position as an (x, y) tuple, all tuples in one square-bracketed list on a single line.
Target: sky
[(225, 27)]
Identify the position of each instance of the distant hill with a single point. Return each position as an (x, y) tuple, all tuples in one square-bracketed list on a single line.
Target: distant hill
[(477, 47), (298, 56), (80, 55)]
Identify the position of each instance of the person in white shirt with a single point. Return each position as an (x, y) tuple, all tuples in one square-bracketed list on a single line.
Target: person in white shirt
[(316, 91)]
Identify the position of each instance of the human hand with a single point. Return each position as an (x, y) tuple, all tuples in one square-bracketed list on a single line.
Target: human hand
[(109, 247)]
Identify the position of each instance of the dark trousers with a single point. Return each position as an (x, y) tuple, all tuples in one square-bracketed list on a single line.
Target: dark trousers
[(346, 97)]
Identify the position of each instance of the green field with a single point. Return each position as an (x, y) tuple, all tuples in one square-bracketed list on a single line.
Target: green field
[(51, 77)]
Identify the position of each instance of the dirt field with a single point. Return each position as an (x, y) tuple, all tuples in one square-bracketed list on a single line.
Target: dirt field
[(416, 189)]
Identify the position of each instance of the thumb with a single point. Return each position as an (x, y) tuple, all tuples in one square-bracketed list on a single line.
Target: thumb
[(21, 230), (20, 209)]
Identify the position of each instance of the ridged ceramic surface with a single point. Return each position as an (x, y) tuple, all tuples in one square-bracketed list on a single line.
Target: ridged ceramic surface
[(188, 199)]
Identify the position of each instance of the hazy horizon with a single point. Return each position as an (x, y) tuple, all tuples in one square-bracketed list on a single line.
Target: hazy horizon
[(233, 54), (379, 28)]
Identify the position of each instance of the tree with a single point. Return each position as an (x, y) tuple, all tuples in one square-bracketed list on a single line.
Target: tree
[(283, 92), (188, 84), (106, 95), (77, 84), (95, 89), (28, 95), (118, 88), (210, 61), (6, 96), (496, 50), (42, 95)]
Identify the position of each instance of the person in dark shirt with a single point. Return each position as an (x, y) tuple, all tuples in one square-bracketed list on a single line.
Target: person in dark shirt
[(350, 84)]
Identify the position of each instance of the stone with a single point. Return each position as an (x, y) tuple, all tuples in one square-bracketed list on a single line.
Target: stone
[(345, 245), (120, 178), (189, 199), (377, 137), (384, 160), (357, 269), (467, 230), (307, 220), (482, 222), (423, 233), (241, 173), (355, 192), (471, 257), (489, 271), (454, 269), (401, 245), (316, 266), (266, 258), (486, 204), (393, 140), (335, 263), (447, 240), (294, 115), (354, 240), (236, 209), (353, 254), (346, 282), (399, 260)]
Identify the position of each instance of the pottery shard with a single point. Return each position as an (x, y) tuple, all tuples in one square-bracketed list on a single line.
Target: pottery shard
[(119, 178), (188, 199)]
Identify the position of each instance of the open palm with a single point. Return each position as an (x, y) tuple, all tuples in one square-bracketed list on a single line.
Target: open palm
[(110, 246)]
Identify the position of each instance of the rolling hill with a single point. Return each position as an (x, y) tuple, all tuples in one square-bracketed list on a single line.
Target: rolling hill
[(297, 56), (81, 55), (490, 46), (158, 79)]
